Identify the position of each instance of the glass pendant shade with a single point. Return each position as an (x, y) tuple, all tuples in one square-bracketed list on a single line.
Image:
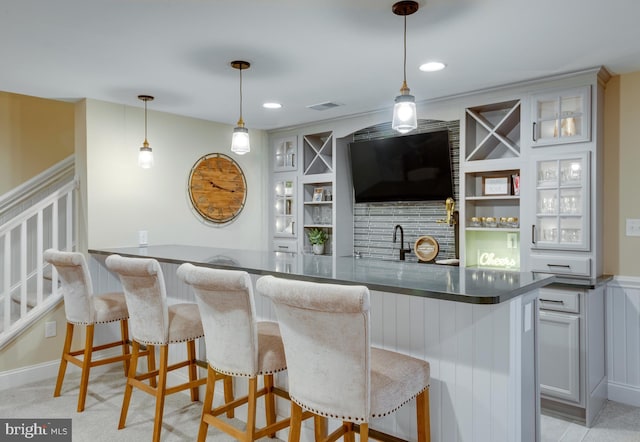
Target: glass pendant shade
[(405, 118), (240, 138), (145, 157), (404, 114), (240, 141)]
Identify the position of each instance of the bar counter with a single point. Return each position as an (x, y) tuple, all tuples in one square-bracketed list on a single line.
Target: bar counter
[(451, 283), (476, 328)]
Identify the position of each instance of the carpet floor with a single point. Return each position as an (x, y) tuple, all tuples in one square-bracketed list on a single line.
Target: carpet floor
[(99, 420)]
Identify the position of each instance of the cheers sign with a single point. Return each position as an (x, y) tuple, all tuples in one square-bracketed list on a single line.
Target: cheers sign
[(489, 259)]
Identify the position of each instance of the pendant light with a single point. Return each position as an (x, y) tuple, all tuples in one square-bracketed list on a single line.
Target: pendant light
[(240, 140), (404, 110), (145, 157)]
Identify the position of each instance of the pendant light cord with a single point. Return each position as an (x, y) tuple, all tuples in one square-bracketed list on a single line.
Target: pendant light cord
[(145, 122), (405, 50), (240, 93)]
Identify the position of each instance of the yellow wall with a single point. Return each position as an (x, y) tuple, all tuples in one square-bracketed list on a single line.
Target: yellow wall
[(35, 134), (622, 174)]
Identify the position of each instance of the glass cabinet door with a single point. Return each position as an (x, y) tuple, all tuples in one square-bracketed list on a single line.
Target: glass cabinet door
[(285, 154), (562, 117), (285, 206), (562, 203)]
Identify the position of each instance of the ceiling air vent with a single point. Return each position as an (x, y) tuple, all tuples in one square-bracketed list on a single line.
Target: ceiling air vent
[(324, 106)]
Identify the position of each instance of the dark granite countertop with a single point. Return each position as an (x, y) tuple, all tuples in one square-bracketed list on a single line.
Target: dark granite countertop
[(476, 286)]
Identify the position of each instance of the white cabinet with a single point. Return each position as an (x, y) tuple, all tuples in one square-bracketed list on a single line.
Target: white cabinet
[(562, 220), (564, 206), (572, 351), (559, 340), (284, 194), (561, 116)]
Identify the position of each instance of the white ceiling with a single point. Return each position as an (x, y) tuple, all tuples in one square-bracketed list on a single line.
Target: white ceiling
[(302, 52)]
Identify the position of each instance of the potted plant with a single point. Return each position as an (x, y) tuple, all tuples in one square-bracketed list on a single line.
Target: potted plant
[(317, 238)]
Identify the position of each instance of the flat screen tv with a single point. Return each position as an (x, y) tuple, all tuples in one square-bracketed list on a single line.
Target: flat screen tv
[(406, 168)]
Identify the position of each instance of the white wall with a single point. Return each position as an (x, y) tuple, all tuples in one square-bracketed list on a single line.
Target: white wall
[(121, 198)]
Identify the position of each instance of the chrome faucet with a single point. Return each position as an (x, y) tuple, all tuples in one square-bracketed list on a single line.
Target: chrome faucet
[(403, 251)]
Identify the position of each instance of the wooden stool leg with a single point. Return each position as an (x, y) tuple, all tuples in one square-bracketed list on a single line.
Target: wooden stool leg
[(128, 389), (270, 402), (228, 394), (151, 364), (124, 333), (423, 416), (160, 392), (207, 404), (320, 427), (349, 433), (251, 412), (296, 422), (86, 366), (63, 360), (364, 432), (193, 368)]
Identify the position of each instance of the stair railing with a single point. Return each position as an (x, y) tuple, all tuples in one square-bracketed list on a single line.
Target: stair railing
[(48, 223)]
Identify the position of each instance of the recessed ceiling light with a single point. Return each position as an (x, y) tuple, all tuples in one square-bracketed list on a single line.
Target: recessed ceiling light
[(271, 105), (432, 66)]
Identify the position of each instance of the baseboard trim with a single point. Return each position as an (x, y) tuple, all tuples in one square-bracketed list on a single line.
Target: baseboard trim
[(623, 393), (26, 375), (34, 373), (627, 282)]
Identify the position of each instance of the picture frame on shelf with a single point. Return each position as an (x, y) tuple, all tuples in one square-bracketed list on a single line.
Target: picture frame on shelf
[(494, 186), (318, 194)]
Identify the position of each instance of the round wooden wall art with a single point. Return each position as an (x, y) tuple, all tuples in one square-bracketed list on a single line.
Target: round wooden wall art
[(217, 188), (426, 248)]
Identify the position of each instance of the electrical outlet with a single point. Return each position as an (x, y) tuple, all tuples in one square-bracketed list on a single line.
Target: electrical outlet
[(633, 227), (49, 329), (143, 238)]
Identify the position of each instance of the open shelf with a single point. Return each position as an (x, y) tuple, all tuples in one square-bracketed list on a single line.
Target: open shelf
[(491, 177)]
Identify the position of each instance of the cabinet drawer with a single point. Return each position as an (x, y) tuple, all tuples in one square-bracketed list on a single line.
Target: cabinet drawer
[(285, 246), (561, 265), (559, 300)]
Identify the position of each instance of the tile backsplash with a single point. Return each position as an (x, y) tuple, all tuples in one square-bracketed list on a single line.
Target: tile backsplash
[(374, 222)]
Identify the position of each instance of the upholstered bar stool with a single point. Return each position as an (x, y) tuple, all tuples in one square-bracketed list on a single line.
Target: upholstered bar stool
[(155, 323), (237, 345), (333, 370), (84, 308)]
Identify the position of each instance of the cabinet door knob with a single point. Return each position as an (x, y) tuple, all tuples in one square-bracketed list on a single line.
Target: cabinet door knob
[(533, 233), (534, 132)]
